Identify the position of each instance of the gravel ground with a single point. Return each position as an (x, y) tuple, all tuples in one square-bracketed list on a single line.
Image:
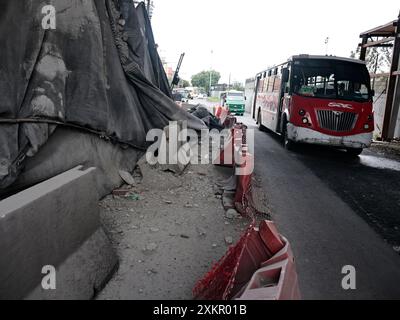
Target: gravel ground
[(390, 150), (167, 232)]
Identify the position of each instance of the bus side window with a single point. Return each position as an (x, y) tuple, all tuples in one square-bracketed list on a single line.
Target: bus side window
[(266, 84), (271, 84), (260, 85), (278, 82)]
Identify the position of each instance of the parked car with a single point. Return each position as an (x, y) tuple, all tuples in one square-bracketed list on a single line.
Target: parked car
[(179, 96)]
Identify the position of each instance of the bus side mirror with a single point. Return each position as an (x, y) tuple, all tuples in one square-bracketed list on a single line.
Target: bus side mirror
[(285, 75), (372, 93)]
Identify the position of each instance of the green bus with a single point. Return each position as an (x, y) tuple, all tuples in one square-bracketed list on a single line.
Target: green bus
[(235, 101)]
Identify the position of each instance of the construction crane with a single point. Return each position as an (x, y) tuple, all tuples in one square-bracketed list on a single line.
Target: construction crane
[(176, 79)]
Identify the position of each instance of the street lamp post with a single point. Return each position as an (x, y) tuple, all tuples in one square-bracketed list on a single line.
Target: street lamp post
[(210, 82), (327, 45), (209, 89)]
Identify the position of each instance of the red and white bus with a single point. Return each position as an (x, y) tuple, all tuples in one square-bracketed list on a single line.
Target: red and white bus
[(318, 100)]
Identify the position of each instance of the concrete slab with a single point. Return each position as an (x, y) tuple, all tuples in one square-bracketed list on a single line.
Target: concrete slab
[(54, 223)]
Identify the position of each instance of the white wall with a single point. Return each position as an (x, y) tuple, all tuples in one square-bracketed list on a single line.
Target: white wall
[(379, 108)]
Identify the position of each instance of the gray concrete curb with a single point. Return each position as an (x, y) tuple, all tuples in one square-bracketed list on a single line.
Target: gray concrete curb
[(54, 223)]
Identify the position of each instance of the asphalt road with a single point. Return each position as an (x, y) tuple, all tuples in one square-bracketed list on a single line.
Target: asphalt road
[(335, 212)]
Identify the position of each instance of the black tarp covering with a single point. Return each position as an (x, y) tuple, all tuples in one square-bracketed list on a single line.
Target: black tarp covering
[(98, 70)]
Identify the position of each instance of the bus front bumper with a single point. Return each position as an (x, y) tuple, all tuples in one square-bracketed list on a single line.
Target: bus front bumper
[(305, 135), (237, 109)]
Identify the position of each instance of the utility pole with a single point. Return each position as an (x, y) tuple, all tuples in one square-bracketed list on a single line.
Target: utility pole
[(327, 45), (210, 83), (210, 74)]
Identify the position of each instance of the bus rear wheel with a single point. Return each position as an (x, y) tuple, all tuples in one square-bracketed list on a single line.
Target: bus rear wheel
[(354, 152)]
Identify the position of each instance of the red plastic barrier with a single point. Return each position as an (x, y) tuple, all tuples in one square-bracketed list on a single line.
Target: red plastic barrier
[(229, 122), (221, 113), (270, 236), (215, 283), (226, 156), (243, 195), (234, 148), (275, 280), (259, 266), (227, 153)]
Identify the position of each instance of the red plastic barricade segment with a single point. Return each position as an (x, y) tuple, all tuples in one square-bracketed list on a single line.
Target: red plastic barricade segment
[(226, 155), (221, 113), (253, 253), (270, 235), (284, 253), (215, 283), (243, 191), (249, 270), (274, 281), (265, 284)]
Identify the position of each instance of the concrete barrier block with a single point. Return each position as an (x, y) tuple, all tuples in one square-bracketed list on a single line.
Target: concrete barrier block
[(54, 223)]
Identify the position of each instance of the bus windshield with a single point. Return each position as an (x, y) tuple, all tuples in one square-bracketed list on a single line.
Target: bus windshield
[(331, 79), (235, 95)]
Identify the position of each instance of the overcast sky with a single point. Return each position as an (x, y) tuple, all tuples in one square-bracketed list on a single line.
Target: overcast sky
[(248, 36)]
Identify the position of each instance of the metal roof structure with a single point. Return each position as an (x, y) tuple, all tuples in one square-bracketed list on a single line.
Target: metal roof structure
[(387, 30), (387, 35), (306, 56)]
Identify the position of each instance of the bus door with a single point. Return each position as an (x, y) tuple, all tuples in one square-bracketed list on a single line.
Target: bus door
[(273, 98), (254, 113), (283, 96)]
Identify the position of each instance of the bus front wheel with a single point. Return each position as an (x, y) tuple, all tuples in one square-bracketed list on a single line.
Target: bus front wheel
[(288, 144), (354, 152)]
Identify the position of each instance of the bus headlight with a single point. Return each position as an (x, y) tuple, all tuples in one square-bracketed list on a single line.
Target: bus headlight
[(302, 112), (366, 126), (305, 120)]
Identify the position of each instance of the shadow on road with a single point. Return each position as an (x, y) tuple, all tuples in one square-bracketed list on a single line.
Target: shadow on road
[(369, 183)]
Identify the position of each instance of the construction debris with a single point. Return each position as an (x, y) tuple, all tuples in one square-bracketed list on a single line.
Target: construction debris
[(127, 177), (164, 234)]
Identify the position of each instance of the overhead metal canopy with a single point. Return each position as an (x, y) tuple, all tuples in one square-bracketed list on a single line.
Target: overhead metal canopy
[(387, 35), (387, 30)]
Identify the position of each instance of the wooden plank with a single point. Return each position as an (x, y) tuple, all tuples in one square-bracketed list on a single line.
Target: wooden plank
[(378, 42)]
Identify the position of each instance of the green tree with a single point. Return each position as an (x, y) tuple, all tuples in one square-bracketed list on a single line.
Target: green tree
[(378, 59), (238, 86), (184, 83), (202, 79)]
